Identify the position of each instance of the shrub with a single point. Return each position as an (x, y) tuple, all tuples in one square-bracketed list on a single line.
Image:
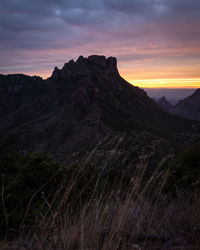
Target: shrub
[(30, 183), (185, 170)]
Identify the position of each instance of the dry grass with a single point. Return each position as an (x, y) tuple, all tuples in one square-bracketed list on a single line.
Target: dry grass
[(132, 219)]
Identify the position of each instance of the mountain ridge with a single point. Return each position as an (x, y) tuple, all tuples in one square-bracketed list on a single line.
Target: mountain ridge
[(92, 115), (188, 107)]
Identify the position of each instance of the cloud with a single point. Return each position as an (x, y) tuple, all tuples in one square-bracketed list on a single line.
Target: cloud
[(64, 29)]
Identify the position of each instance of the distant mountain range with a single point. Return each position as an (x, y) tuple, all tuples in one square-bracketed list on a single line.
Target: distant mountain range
[(87, 112), (173, 95), (188, 107)]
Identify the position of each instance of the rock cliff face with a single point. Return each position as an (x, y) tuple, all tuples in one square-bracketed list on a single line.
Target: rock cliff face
[(86, 66), (87, 112)]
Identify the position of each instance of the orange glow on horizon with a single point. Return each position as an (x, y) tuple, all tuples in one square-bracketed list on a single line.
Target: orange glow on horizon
[(147, 75), (152, 66), (167, 83), (154, 83)]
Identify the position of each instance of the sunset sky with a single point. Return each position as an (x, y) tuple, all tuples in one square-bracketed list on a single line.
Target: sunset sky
[(156, 42)]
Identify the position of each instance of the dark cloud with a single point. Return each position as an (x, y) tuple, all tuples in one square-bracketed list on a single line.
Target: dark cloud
[(131, 6)]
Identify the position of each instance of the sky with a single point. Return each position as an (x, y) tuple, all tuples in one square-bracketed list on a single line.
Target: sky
[(156, 42)]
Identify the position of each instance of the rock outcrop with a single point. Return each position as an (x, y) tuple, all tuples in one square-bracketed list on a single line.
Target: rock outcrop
[(86, 66)]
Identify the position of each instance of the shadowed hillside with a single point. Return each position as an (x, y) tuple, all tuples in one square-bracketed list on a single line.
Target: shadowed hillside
[(87, 112)]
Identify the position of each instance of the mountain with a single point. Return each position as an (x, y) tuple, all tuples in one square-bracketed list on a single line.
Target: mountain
[(17, 90), (189, 107), (87, 112), (164, 103)]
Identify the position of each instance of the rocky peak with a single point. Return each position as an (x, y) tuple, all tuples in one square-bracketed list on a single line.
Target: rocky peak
[(86, 66), (98, 60), (163, 102)]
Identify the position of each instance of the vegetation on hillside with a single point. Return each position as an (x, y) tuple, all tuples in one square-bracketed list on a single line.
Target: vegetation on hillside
[(83, 207), (185, 170), (30, 181)]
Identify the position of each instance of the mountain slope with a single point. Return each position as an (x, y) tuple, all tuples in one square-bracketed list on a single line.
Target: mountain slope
[(87, 112), (189, 107), (122, 105)]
